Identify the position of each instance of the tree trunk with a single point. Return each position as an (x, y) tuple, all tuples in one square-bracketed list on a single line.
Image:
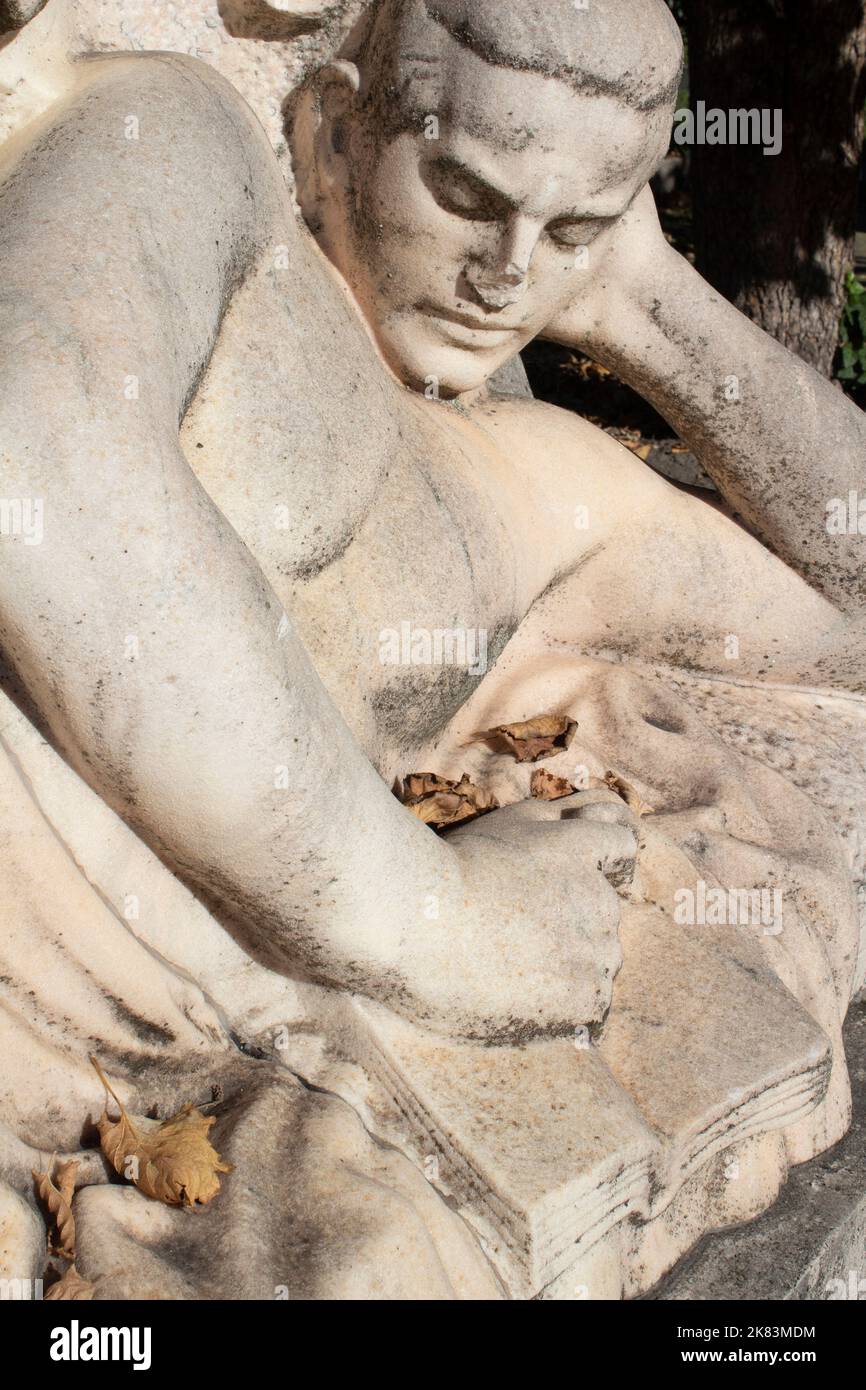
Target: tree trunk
[(776, 234)]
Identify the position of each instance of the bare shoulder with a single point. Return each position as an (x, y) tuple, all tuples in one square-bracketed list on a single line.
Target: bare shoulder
[(581, 487), (179, 94), (565, 449), (131, 211), (156, 122)]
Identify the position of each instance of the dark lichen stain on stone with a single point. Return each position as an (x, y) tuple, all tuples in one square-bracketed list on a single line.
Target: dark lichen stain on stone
[(667, 726), (153, 1034)]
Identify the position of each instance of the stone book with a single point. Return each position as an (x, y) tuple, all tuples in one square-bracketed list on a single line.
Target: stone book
[(552, 1146)]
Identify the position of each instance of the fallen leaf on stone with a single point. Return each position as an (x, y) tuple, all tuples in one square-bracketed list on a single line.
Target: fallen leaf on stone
[(57, 1198), (70, 1288), (643, 451), (172, 1161), (439, 802), (545, 787), (543, 737), (630, 795)]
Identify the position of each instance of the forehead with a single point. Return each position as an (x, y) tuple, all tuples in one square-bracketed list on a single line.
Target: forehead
[(531, 135)]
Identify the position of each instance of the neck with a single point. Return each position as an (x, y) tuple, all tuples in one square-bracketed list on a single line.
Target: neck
[(36, 67)]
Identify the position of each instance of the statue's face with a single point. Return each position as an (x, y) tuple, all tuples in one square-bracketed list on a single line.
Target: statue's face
[(463, 247)]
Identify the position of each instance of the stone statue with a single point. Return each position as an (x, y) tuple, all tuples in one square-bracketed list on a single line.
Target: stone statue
[(240, 447)]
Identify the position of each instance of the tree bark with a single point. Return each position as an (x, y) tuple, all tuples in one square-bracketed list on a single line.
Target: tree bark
[(775, 235)]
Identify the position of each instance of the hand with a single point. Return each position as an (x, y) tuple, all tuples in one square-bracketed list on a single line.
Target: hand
[(626, 264), (528, 945)]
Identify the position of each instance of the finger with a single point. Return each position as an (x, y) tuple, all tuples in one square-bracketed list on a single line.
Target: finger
[(563, 806), (611, 848)]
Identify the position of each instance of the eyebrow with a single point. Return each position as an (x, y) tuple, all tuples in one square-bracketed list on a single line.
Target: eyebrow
[(565, 219), (454, 165)]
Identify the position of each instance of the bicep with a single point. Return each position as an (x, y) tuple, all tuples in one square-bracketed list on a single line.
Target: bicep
[(123, 226), (116, 260)]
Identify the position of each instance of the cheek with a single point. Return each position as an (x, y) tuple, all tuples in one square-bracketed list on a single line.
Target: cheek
[(388, 191), (405, 223), (556, 274)]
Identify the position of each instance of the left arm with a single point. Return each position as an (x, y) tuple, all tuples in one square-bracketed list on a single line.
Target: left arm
[(780, 441)]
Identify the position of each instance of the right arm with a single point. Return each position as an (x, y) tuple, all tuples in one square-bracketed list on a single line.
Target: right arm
[(141, 627)]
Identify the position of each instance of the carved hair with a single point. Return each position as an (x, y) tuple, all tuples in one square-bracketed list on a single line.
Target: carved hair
[(627, 49)]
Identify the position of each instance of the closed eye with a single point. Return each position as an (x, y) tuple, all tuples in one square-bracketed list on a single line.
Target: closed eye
[(579, 233)]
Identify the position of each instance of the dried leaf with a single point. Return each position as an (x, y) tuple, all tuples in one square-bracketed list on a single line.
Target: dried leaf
[(173, 1161), (630, 795), (545, 787), (70, 1288), (57, 1197), (439, 802), (543, 737), (585, 367)]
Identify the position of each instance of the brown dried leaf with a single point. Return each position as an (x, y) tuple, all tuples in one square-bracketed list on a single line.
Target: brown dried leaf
[(70, 1288), (543, 737), (630, 795), (584, 367), (439, 802), (545, 787), (633, 440), (57, 1198), (419, 784), (173, 1161)]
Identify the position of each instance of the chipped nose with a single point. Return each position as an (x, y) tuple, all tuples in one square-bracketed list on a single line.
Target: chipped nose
[(499, 289)]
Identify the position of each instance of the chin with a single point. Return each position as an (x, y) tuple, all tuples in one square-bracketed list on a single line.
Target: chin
[(453, 371)]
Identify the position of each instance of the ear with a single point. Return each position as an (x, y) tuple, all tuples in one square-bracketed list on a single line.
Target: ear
[(343, 72), (323, 107), (338, 86)]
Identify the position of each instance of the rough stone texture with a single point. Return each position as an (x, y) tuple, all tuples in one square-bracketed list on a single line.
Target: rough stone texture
[(812, 1244), (501, 1063), (264, 49)]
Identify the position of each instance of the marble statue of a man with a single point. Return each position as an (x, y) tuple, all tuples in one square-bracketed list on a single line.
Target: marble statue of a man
[(254, 444)]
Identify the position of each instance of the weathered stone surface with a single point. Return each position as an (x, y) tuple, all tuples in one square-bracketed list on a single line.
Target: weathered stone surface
[(522, 1060), (812, 1244), (265, 48)]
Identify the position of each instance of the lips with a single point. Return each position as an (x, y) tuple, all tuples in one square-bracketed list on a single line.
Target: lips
[(467, 321)]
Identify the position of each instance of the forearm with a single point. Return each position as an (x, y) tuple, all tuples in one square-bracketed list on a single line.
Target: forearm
[(173, 681), (779, 440)]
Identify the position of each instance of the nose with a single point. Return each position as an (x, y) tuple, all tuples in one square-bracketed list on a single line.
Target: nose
[(501, 279)]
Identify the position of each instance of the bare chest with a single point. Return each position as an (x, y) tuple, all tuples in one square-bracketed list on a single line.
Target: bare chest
[(374, 515)]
